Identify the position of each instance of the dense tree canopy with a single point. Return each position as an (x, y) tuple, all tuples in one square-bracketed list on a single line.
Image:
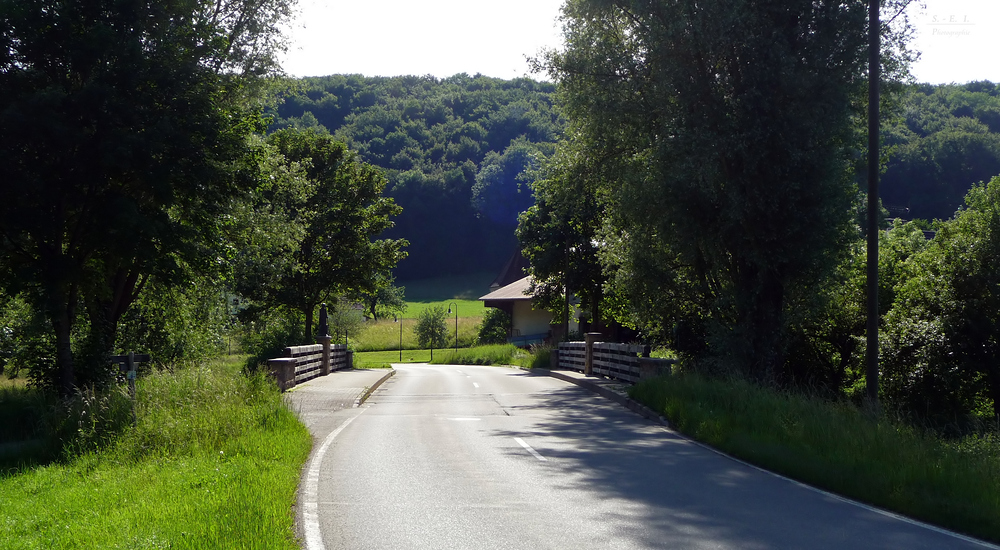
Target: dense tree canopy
[(723, 132), (438, 140), (121, 123), (941, 347), (946, 139), (330, 205)]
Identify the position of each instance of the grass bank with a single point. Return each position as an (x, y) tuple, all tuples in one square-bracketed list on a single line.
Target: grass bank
[(954, 484), (501, 354), (213, 461)]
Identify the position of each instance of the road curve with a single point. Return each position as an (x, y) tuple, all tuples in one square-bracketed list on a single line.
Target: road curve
[(485, 457)]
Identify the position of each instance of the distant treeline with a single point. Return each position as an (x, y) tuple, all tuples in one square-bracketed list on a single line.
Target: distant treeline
[(946, 138), (455, 152)]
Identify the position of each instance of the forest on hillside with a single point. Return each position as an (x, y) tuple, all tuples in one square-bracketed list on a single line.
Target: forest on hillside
[(456, 152), (943, 139)]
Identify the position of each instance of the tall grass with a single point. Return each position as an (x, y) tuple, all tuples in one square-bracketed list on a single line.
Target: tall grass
[(955, 484), (212, 461), (466, 308), (497, 354)]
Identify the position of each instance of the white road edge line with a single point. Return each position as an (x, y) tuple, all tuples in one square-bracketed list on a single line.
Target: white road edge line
[(310, 497), (533, 452)]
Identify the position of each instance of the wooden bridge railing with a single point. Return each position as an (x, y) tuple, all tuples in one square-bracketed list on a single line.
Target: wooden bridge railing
[(300, 363), (626, 362)]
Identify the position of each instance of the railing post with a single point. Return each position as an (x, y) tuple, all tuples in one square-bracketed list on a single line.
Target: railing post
[(324, 368), (283, 370), (588, 365), (324, 338)]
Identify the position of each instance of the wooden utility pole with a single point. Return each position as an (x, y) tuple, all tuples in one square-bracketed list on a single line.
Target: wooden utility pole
[(874, 76)]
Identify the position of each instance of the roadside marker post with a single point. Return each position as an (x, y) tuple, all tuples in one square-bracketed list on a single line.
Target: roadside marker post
[(126, 364)]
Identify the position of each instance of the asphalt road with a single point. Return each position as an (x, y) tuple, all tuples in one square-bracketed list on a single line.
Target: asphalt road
[(484, 457)]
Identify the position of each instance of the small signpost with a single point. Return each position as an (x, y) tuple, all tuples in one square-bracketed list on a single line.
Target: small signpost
[(126, 364)]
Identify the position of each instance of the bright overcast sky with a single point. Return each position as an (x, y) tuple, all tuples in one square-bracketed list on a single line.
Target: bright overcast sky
[(959, 39)]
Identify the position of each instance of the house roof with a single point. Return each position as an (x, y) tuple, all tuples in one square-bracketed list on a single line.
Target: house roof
[(514, 291), (512, 271)]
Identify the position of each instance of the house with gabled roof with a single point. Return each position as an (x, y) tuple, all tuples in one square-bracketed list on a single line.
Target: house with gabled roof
[(510, 292)]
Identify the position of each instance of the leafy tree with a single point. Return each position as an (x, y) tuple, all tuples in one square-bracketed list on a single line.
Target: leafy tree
[(494, 327), (433, 137), (721, 131), (431, 329), (336, 202), (120, 125), (941, 349), (386, 300), (25, 339), (559, 234), (828, 339)]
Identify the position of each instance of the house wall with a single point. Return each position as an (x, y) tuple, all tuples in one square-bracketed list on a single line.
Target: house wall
[(527, 321)]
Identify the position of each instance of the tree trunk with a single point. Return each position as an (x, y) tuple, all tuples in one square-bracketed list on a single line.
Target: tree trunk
[(94, 367), (105, 308), (308, 311), (761, 323), (60, 308)]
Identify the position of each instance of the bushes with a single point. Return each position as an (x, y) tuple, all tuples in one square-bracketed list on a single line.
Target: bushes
[(493, 329), (431, 330)]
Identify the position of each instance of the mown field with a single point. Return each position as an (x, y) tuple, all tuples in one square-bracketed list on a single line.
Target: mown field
[(457, 293)]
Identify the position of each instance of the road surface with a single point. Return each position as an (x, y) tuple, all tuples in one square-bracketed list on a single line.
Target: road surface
[(471, 457)]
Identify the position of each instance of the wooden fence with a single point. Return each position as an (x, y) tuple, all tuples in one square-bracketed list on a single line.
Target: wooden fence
[(301, 363), (626, 362)]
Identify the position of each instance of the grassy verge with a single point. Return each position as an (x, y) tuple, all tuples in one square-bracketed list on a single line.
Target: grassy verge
[(500, 354), (212, 462), (954, 484), (365, 358)]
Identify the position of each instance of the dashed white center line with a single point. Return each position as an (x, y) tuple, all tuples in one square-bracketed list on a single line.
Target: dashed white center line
[(528, 448), (476, 385)]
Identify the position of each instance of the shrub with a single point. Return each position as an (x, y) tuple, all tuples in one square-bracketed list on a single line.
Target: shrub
[(540, 357), (431, 328), (493, 328), (267, 337)]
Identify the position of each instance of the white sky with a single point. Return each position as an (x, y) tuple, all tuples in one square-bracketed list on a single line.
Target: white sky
[(959, 39)]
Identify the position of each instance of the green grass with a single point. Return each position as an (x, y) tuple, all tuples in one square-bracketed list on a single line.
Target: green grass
[(954, 484), (466, 308), (460, 291), (362, 359), (503, 354), (213, 462), (455, 287), (383, 334), (499, 354)]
